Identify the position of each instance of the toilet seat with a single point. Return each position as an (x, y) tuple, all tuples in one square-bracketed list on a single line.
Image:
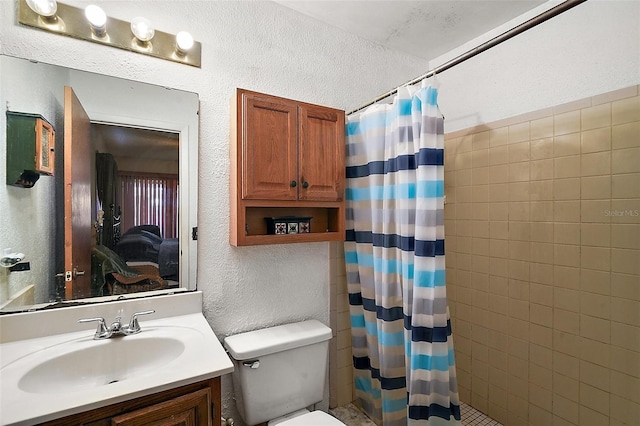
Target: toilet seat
[(313, 418)]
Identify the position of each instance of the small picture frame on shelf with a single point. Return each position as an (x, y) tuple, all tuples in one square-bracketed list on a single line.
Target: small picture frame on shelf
[(288, 225), (292, 228), (280, 228), (304, 227)]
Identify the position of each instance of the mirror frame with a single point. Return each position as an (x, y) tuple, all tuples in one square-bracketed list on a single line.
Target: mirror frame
[(96, 92)]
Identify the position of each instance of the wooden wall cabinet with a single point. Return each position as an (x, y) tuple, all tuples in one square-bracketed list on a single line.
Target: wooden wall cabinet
[(287, 159), (30, 148), (197, 404)]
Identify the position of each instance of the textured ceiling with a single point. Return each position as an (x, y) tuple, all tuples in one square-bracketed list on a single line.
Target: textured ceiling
[(137, 143), (426, 29)]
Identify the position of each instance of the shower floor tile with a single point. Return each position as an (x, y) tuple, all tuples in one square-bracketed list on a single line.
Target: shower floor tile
[(351, 416), (472, 417)]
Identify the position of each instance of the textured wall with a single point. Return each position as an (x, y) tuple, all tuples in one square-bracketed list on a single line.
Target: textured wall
[(259, 46), (591, 49)]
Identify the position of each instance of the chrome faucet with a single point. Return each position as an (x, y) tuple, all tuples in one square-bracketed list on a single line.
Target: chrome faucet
[(116, 328)]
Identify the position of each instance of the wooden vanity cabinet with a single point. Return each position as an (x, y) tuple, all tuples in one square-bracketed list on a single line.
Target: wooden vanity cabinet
[(194, 404), (287, 159)]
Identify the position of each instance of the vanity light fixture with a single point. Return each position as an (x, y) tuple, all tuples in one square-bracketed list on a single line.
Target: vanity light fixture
[(90, 24)]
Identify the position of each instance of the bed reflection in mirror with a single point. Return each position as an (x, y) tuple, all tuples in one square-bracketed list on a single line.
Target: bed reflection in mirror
[(137, 194)]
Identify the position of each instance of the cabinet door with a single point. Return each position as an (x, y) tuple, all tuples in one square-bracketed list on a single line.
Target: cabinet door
[(321, 154), (193, 409), (269, 168)]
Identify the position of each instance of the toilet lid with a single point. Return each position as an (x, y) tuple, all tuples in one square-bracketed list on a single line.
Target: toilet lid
[(314, 418)]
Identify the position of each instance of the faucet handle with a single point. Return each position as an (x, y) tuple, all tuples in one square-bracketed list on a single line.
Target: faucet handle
[(116, 325), (102, 331), (134, 326)]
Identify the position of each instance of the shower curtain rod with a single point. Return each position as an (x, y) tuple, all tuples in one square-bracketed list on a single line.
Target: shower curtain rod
[(538, 19)]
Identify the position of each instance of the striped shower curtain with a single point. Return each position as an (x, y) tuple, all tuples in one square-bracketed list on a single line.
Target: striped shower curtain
[(394, 251)]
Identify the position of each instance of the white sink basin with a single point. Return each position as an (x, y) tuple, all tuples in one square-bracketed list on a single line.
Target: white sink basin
[(85, 364), (50, 377)]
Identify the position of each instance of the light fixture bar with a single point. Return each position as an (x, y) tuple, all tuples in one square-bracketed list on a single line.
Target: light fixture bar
[(71, 21)]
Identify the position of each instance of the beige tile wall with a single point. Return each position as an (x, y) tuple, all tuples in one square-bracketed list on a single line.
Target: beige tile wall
[(340, 358), (542, 226)]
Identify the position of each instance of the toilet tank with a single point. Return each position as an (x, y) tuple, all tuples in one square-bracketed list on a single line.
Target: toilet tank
[(279, 370)]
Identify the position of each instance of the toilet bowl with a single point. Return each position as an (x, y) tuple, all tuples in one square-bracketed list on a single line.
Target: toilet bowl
[(306, 418), (279, 372)]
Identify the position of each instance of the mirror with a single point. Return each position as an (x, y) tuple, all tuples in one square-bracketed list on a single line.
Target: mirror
[(140, 222)]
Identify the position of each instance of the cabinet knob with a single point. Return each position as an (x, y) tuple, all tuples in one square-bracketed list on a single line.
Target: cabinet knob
[(305, 184), (293, 183)]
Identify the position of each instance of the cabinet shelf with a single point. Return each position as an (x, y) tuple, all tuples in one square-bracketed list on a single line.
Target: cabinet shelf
[(325, 224), (254, 240)]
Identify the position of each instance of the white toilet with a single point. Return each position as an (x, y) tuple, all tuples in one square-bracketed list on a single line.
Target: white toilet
[(279, 371)]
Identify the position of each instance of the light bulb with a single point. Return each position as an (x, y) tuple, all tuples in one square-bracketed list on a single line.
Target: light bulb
[(97, 18), (142, 28), (184, 42), (45, 8)]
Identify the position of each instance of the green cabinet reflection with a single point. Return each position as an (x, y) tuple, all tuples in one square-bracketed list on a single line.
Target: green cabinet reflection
[(30, 148)]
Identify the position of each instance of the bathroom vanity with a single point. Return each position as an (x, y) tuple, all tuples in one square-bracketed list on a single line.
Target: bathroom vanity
[(53, 371), (196, 404)]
